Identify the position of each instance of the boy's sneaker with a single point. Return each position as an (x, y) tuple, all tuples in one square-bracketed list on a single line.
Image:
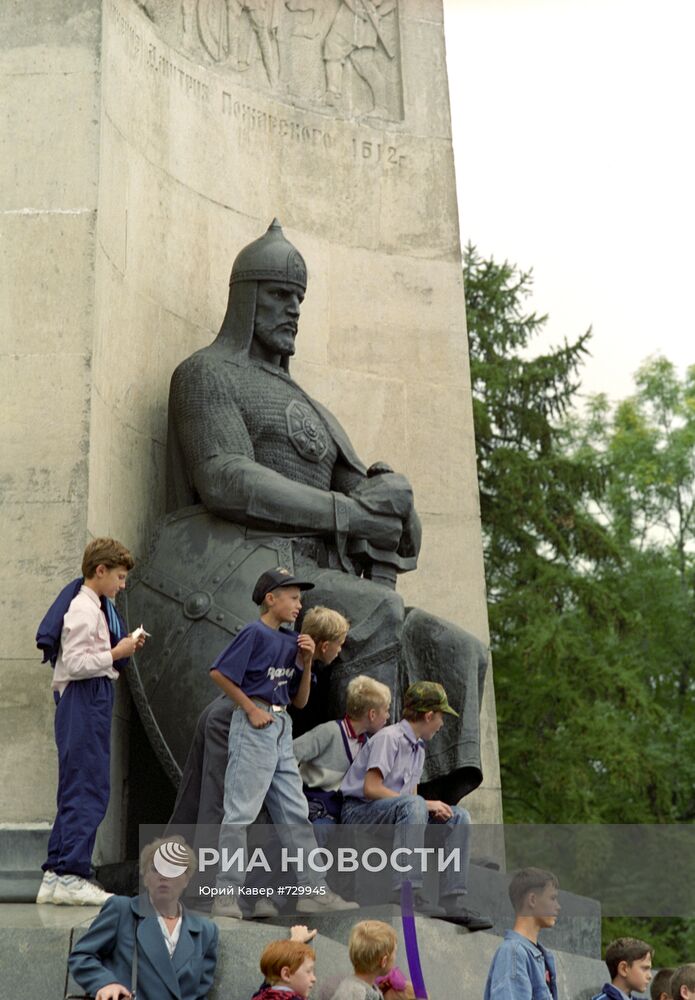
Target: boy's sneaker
[(265, 909), (227, 906), (323, 904), (457, 913), (421, 903), (47, 888), (72, 890)]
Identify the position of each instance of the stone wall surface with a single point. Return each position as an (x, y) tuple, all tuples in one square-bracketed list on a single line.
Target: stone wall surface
[(49, 153), (198, 156), (148, 147)]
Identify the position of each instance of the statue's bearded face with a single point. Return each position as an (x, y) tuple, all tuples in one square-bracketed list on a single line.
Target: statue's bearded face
[(277, 316)]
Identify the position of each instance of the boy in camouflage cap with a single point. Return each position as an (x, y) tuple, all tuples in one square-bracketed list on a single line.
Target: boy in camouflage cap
[(381, 787), (427, 696)]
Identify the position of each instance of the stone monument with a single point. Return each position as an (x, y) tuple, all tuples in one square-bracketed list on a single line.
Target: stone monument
[(157, 139), (147, 141), (258, 473)]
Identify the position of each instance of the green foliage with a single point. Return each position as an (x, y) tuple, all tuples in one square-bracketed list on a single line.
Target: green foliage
[(588, 527), (648, 440), (529, 485), (672, 938)]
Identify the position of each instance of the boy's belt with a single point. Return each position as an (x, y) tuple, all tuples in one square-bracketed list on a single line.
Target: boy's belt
[(268, 706)]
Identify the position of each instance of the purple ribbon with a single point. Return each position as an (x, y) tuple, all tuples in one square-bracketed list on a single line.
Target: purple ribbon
[(412, 952)]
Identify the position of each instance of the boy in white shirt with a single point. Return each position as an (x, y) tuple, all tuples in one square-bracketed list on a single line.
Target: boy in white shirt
[(83, 691)]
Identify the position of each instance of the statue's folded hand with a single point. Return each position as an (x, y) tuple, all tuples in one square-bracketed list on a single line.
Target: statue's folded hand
[(411, 539), (389, 493), (382, 530)]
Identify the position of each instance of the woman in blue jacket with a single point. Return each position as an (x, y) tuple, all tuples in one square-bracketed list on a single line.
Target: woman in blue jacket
[(176, 950)]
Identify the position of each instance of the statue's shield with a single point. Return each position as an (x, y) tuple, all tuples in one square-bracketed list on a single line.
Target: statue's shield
[(193, 595)]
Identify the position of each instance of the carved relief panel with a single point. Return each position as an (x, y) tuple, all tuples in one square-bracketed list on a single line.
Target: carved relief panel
[(341, 56)]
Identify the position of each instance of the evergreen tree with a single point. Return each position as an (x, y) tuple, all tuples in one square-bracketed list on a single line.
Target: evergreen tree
[(589, 535), (591, 620), (537, 534)]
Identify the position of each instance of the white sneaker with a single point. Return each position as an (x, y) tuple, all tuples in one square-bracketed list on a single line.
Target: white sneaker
[(227, 906), (72, 890), (47, 888), (265, 909), (323, 904)]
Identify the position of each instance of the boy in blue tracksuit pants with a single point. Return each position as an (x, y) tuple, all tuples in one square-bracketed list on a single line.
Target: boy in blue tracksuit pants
[(522, 968), (629, 962), (86, 663)]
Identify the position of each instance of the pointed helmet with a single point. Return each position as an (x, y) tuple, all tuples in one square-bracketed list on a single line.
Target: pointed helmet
[(270, 258)]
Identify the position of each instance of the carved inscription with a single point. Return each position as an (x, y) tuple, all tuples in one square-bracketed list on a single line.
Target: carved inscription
[(253, 119), (319, 136), (263, 121), (148, 55), (376, 152)]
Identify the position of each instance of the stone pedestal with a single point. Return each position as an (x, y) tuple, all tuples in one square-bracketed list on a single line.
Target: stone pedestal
[(150, 141), (454, 962)]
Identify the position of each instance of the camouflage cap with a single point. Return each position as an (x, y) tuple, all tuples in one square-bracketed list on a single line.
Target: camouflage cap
[(427, 696)]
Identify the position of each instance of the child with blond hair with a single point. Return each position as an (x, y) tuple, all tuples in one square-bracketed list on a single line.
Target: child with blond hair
[(326, 752), (372, 949)]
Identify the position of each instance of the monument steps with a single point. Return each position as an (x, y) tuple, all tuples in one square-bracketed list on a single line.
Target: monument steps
[(36, 940)]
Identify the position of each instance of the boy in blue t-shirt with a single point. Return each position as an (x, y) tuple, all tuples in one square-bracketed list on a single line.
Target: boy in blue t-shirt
[(265, 669)]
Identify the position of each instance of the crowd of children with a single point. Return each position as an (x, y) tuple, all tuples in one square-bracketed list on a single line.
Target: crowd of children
[(354, 769), (521, 969)]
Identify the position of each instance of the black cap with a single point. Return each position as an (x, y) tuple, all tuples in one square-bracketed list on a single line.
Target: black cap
[(274, 578)]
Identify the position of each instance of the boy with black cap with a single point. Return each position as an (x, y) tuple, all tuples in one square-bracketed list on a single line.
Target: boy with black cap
[(381, 787), (263, 670)]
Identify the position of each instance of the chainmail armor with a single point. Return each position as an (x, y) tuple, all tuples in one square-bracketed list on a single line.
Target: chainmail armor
[(218, 412)]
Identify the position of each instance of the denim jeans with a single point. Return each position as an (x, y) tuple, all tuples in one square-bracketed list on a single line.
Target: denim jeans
[(410, 817), (261, 767)]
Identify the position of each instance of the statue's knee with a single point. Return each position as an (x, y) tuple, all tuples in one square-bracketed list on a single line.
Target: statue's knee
[(448, 639), (392, 607)]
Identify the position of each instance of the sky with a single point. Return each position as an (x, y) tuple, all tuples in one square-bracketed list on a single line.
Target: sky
[(575, 156)]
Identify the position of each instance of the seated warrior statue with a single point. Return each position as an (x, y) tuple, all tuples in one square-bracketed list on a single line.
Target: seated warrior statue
[(248, 443)]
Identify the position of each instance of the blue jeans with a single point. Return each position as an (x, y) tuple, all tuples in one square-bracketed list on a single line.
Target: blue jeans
[(409, 815), (261, 767)]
